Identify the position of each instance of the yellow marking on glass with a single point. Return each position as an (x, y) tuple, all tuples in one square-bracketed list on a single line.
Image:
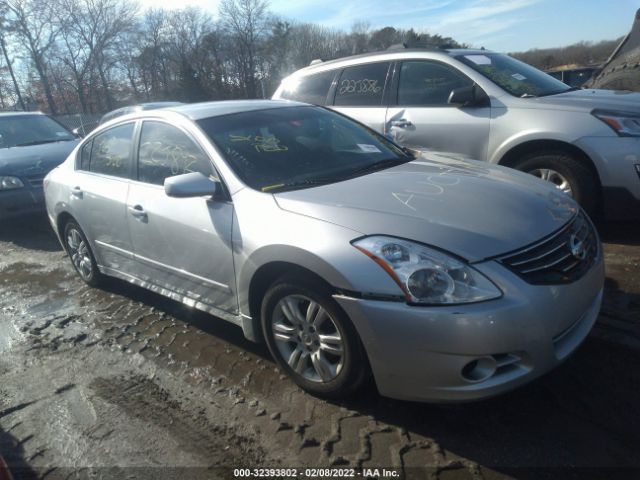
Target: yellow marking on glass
[(240, 138), (271, 187)]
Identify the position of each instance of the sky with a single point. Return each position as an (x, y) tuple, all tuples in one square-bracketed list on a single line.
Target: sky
[(502, 25)]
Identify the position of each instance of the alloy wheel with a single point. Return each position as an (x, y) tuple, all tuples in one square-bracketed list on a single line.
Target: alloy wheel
[(79, 253), (308, 339), (559, 180)]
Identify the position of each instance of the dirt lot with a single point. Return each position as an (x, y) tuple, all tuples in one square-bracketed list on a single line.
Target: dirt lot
[(122, 383)]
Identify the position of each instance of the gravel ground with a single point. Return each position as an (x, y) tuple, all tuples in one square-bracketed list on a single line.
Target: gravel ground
[(123, 383)]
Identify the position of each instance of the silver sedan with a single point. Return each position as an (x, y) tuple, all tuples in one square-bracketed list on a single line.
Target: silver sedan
[(352, 258)]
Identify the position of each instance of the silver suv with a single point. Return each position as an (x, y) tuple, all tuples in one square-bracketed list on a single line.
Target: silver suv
[(489, 106)]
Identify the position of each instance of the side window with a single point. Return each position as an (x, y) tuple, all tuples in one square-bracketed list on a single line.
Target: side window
[(428, 83), (362, 85), (111, 152), (311, 89), (85, 155), (165, 152)]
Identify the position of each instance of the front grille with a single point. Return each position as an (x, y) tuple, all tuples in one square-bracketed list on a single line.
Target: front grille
[(35, 180), (563, 257)]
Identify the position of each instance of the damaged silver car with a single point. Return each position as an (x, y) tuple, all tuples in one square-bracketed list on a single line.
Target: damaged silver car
[(443, 279)]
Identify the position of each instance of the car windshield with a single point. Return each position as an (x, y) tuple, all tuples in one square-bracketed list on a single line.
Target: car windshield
[(514, 76), (26, 130), (298, 147)]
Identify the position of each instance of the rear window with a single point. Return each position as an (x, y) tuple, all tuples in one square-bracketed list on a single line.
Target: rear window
[(109, 153), (362, 85), (312, 89)]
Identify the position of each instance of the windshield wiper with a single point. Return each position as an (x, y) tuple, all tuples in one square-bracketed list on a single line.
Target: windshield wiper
[(380, 165), (314, 182), (41, 142), (281, 187)]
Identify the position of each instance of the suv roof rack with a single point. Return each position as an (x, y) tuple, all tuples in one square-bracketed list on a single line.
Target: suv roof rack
[(425, 46), (316, 61)]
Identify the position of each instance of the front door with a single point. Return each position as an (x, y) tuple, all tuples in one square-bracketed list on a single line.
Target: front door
[(422, 116), (181, 244)]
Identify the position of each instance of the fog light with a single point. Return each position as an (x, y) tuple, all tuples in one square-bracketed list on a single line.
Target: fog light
[(479, 369)]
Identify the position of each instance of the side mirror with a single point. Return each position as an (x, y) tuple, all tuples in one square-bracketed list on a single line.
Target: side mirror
[(190, 185), (470, 96), (77, 132)]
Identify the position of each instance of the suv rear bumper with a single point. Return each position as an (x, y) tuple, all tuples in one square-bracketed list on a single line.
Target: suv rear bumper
[(617, 160)]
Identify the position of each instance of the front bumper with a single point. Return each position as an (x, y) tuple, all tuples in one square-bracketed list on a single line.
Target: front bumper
[(615, 159), (426, 353), (21, 201)]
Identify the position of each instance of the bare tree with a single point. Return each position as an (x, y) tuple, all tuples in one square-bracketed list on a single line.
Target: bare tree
[(245, 22), (34, 24), (5, 54)]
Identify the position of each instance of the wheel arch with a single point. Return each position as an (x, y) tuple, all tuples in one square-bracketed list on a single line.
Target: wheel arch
[(62, 219), (261, 279), (510, 157)]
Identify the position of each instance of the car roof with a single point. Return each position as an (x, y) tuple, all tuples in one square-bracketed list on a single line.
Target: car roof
[(18, 112), (392, 54), (197, 111)]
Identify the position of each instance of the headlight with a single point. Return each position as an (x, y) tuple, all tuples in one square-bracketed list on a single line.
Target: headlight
[(9, 183), (426, 275), (624, 124)]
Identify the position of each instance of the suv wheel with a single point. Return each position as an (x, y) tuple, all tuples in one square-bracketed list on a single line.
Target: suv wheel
[(566, 173), (80, 254), (311, 338)]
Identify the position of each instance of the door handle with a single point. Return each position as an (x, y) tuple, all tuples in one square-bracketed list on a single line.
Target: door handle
[(76, 192), (401, 123), (137, 211)]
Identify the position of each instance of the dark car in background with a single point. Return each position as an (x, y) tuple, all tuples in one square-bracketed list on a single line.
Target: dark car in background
[(31, 145), (574, 77)]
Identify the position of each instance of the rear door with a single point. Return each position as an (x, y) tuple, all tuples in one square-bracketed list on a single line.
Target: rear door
[(419, 114), (181, 244), (99, 195), (360, 93)]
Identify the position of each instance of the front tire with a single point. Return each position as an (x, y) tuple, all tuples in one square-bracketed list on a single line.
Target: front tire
[(80, 253), (568, 174), (312, 339)]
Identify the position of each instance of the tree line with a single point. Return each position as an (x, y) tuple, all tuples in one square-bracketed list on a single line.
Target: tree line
[(91, 56), (579, 54)]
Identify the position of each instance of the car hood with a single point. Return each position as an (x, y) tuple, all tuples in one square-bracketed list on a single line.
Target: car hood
[(468, 208), (590, 99), (35, 159)]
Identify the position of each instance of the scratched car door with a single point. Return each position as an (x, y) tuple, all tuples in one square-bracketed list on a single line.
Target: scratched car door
[(182, 244)]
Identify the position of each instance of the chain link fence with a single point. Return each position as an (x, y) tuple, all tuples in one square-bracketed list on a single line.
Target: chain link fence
[(83, 123)]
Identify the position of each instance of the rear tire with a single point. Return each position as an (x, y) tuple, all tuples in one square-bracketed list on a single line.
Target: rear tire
[(564, 170), (79, 250), (312, 339)]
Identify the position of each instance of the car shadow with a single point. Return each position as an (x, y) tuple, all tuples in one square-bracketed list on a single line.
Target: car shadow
[(621, 233), (203, 321), (583, 414), (12, 450), (33, 232)]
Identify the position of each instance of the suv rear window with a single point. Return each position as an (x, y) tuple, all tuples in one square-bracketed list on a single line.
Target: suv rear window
[(312, 89), (362, 85)]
